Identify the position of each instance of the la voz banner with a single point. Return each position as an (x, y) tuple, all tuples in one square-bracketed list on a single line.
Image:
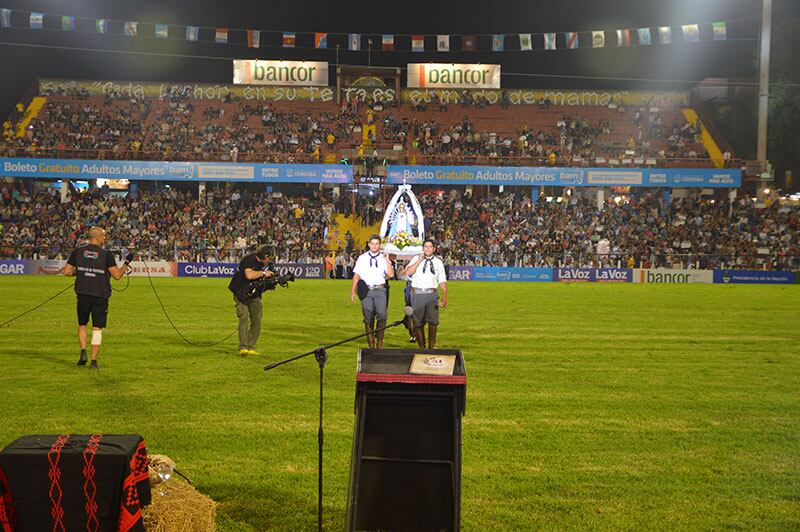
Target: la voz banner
[(567, 177), (227, 269), (175, 171)]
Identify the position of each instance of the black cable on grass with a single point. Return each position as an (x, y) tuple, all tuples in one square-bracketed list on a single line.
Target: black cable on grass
[(39, 305), (194, 344)]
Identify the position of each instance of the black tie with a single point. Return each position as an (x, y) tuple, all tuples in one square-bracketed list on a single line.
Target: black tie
[(428, 263), (373, 258)]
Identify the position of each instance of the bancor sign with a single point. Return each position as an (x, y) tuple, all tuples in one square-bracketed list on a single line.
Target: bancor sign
[(667, 275), (255, 72), (453, 76)]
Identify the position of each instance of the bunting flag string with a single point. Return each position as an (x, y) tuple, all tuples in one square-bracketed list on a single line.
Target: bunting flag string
[(444, 43)]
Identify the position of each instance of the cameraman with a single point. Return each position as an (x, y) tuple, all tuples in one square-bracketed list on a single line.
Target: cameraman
[(248, 305)]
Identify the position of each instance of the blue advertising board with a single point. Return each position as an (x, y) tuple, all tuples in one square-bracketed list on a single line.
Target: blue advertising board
[(574, 275), (227, 269), (613, 275), (567, 177), (753, 277), (176, 171), (496, 273), (460, 273), (13, 267)]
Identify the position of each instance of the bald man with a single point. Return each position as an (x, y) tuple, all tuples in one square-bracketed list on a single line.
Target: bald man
[(92, 265)]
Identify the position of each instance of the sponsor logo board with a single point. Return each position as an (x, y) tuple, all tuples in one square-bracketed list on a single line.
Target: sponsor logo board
[(753, 277), (13, 267), (666, 275)]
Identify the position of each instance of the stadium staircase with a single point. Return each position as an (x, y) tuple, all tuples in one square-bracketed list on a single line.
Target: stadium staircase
[(343, 224), (705, 137), (31, 112)]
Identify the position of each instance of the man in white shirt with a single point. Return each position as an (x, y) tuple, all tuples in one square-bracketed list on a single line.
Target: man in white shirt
[(373, 268), (427, 275)]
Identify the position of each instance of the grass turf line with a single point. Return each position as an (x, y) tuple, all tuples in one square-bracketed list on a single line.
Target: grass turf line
[(588, 405)]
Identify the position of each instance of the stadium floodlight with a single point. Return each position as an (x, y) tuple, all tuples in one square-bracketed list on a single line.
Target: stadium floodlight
[(766, 191)]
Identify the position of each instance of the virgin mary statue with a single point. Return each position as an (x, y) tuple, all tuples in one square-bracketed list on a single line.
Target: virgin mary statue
[(403, 217)]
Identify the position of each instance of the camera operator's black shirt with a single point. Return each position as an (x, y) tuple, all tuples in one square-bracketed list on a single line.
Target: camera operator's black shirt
[(91, 265), (239, 282)]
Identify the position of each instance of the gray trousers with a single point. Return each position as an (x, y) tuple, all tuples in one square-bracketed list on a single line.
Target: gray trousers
[(249, 322)]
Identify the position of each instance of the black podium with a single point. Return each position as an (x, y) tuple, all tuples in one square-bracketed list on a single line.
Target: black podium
[(405, 472)]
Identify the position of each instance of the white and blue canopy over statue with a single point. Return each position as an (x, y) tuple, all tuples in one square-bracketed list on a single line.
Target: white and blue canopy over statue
[(403, 217)]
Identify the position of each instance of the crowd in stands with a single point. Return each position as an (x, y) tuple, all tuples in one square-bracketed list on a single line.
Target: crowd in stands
[(75, 124), (644, 232), (500, 230), (169, 225)]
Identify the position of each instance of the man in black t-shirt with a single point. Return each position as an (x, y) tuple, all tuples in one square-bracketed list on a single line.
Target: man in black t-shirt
[(248, 307), (91, 265)]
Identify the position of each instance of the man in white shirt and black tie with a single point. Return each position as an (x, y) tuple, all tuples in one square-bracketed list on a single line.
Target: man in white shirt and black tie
[(373, 268), (427, 276)]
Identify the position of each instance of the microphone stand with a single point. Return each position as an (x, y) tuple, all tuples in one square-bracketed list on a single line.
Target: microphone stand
[(321, 356)]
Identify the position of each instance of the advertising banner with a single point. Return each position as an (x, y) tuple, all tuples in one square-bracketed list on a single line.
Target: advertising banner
[(207, 269), (613, 275), (227, 269), (156, 268), (567, 177), (289, 73), (492, 273), (753, 277), (45, 267), (460, 273), (175, 171), (575, 275), (13, 267), (666, 275), (453, 76)]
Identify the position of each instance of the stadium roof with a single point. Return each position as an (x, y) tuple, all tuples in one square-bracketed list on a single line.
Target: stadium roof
[(26, 54)]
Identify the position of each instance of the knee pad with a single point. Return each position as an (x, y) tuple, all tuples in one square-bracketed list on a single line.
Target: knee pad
[(97, 336)]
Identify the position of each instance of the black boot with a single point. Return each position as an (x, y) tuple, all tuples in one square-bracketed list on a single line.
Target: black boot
[(82, 359)]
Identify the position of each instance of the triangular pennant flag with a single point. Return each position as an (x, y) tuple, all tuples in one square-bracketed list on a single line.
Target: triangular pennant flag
[(37, 21), (221, 35), (101, 25), (417, 43), (549, 41), (162, 31), (498, 42), (720, 31), (355, 42), (5, 17), (387, 42), (67, 23), (468, 43), (644, 36), (691, 32), (289, 38), (623, 37), (320, 40), (253, 38), (665, 34), (192, 33), (572, 39), (525, 42), (131, 29), (598, 39), (443, 43)]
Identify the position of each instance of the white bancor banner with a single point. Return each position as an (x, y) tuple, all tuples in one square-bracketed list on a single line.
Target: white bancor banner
[(453, 76), (305, 73), (666, 275)]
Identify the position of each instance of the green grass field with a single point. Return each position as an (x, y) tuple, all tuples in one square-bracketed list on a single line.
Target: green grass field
[(588, 406)]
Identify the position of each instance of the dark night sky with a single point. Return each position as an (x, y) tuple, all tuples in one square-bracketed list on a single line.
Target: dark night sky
[(735, 58)]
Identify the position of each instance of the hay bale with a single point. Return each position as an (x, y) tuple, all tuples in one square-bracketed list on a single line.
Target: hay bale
[(182, 508)]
